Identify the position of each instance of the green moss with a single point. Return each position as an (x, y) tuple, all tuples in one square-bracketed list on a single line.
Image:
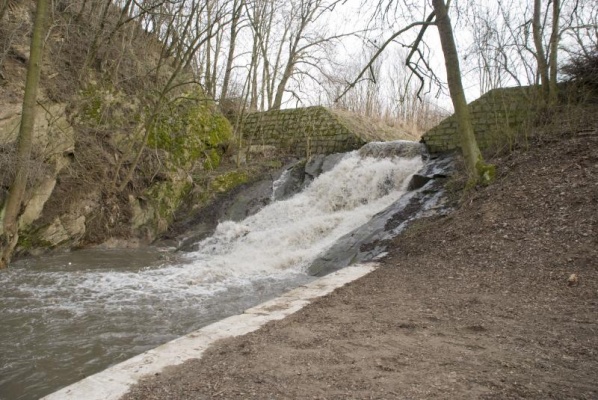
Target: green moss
[(212, 160), (486, 172), (190, 129), (273, 164), (107, 108), (166, 197), (91, 111), (24, 242), (226, 182), (29, 240)]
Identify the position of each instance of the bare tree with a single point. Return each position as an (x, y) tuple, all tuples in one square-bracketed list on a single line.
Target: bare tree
[(581, 33), (235, 27), (190, 34), (477, 169), (554, 46), (267, 22), (303, 13), (366, 96), (11, 208), (519, 42), (290, 43)]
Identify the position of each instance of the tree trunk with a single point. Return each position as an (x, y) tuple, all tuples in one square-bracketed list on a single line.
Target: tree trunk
[(288, 71), (214, 82), (11, 210), (253, 99), (540, 54), (230, 59), (476, 167), (208, 66), (286, 75), (554, 47)]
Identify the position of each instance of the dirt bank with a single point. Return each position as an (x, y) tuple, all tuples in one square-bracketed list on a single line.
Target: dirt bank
[(474, 305)]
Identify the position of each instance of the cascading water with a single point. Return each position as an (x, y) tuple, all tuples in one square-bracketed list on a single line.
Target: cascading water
[(67, 316)]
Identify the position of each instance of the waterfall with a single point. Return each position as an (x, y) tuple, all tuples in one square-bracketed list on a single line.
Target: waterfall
[(286, 236)]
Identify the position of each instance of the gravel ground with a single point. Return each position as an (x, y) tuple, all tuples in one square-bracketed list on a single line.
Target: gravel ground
[(498, 300)]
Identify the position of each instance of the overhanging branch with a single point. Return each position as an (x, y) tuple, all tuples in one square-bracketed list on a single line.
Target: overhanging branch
[(380, 50)]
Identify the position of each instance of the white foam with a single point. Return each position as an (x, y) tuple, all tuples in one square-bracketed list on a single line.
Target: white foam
[(287, 235)]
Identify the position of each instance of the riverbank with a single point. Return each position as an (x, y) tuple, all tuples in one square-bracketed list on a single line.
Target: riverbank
[(497, 300)]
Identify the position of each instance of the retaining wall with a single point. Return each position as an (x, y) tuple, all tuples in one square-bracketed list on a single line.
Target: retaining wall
[(313, 130), (498, 118)]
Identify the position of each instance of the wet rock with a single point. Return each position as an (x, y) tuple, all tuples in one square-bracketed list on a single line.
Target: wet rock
[(249, 201), (418, 181), (290, 182), (191, 242), (330, 161), (313, 167), (301, 174), (237, 205)]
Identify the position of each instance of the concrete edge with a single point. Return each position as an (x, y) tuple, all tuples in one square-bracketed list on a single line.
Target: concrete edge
[(114, 382)]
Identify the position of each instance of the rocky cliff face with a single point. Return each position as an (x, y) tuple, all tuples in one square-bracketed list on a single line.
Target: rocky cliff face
[(90, 125)]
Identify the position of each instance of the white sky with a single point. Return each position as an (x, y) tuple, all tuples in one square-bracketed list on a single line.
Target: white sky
[(352, 16)]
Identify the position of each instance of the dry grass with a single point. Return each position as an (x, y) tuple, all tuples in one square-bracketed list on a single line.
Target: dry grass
[(374, 130)]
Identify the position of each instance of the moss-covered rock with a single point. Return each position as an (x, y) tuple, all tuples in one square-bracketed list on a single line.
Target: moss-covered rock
[(228, 181), (153, 212), (191, 128), (188, 134)]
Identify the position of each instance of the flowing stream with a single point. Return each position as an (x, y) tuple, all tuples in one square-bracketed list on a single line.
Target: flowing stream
[(66, 316)]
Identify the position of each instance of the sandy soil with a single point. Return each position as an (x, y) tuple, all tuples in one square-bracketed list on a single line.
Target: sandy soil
[(476, 305)]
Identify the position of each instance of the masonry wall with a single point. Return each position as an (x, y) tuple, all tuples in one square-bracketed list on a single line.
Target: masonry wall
[(301, 132), (498, 118)]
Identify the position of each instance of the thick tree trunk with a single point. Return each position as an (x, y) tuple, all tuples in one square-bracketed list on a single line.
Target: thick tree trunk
[(476, 167), (288, 71), (10, 212)]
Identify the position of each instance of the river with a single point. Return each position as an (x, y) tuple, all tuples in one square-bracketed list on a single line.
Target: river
[(69, 315)]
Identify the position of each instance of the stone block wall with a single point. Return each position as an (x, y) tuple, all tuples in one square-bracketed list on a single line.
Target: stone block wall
[(300, 132), (498, 117)]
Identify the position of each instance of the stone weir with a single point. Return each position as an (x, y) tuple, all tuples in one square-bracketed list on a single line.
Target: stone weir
[(303, 132), (499, 118)]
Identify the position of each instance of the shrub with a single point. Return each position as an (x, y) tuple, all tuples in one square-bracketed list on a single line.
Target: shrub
[(582, 69)]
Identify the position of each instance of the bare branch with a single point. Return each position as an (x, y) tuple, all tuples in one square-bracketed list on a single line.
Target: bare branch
[(377, 54)]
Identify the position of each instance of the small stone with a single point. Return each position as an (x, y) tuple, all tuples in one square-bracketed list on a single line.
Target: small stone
[(573, 280)]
